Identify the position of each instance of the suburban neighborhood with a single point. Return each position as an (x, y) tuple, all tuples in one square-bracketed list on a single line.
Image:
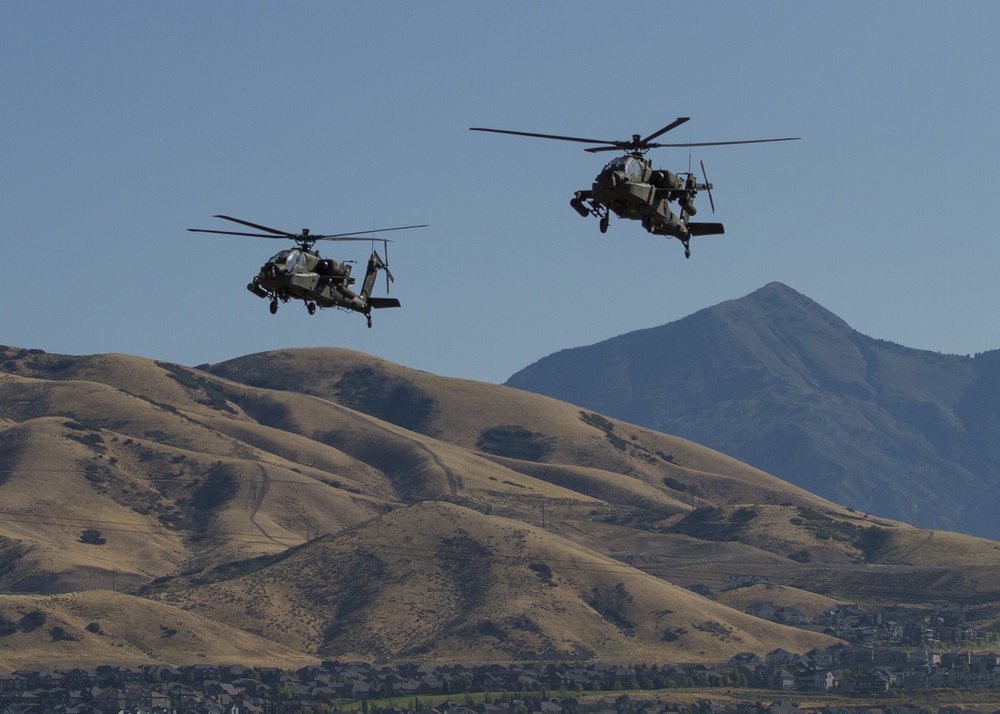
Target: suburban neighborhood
[(871, 661), (949, 625)]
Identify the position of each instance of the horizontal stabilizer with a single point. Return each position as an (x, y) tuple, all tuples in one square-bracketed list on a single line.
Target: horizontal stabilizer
[(706, 229), (377, 303)]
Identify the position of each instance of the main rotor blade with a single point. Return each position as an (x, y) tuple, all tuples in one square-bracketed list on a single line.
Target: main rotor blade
[(344, 236), (672, 125), (724, 143), (257, 226), (236, 233), (543, 136), (281, 237)]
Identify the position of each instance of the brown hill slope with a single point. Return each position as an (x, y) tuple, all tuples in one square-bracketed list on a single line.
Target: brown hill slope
[(505, 422), (438, 581), (102, 627), (339, 505)]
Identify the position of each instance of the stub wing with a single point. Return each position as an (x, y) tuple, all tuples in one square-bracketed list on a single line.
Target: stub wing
[(706, 229)]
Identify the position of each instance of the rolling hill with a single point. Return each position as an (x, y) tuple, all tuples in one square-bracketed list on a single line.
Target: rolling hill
[(301, 505), (779, 382)]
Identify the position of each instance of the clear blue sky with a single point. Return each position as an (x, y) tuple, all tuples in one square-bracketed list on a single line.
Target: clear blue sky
[(122, 124)]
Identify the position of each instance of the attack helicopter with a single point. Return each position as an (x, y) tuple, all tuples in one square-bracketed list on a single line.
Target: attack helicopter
[(629, 187), (300, 272)]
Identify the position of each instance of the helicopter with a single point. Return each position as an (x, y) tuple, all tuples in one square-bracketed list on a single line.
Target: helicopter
[(300, 272), (629, 187)]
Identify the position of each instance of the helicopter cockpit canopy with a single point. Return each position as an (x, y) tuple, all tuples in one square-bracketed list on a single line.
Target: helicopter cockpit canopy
[(289, 259), (629, 165)]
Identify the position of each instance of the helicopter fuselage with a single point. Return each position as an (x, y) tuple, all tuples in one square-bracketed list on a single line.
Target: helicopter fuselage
[(302, 274), (629, 187)]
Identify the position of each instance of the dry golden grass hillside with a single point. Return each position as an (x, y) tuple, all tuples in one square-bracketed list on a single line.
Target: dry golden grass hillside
[(95, 627), (436, 581), (335, 505)]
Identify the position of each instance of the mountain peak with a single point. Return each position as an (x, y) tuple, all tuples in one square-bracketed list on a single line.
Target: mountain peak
[(775, 293), (778, 302), (773, 335), (780, 382), (777, 287)]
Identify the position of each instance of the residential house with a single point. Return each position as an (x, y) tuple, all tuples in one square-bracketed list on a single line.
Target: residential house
[(821, 659), (789, 616), (781, 679), (763, 610), (815, 680), (781, 658)]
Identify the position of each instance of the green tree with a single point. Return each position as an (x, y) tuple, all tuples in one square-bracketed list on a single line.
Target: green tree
[(32, 621), (58, 633), (93, 536)]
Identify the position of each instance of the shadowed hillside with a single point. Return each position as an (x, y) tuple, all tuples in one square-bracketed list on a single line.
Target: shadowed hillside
[(337, 506), (775, 380)]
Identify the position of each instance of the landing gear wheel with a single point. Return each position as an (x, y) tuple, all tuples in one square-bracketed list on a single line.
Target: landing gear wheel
[(274, 307), (604, 224), (311, 307), (369, 321), (687, 251)]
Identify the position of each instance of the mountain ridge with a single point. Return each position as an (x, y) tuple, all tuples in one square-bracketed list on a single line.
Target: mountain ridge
[(776, 380)]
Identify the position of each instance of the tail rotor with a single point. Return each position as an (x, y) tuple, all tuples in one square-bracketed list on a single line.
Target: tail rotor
[(708, 186), (385, 264)]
